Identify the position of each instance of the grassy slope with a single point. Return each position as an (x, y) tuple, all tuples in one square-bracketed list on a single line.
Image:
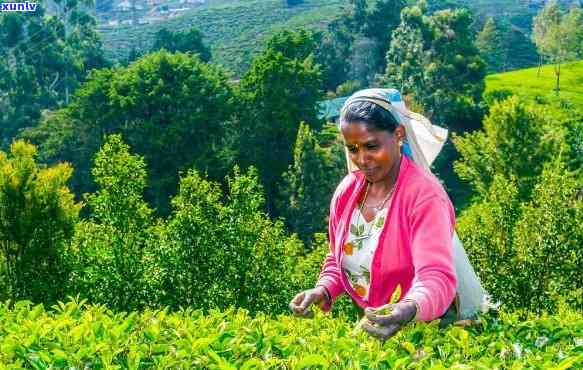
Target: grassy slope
[(234, 31), (525, 83)]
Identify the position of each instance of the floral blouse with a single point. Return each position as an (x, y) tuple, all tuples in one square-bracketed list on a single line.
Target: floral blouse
[(360, 247)]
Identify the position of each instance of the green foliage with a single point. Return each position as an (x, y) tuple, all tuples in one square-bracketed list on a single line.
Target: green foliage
[(282, 89), (348, 88), (517, 140), (334, 52), (189, 41), (171, 108), (236, 31), (558, 36), (108, 249), (489, 42), (43, 59), (522, 232), (504, 44), (74, 335), (37, 217), (434, 59), (223, 250), (308, 184), (381, 20), (574, 139), (531, 86), (528, 252)]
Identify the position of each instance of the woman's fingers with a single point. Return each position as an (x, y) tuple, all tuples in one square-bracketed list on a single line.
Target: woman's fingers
[(380, 332), (301, 303), (296, 303), (384, 315), (392, 314)]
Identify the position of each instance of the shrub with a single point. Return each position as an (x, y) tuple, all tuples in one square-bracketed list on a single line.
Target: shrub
[(492, 96), (107, 251), (223, 250), (517, 140), (522, 232), (74, 335), (308, 185), (37, 218), (528, 253)]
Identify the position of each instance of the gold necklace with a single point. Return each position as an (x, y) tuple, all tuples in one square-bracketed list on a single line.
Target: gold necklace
[(377, 208)]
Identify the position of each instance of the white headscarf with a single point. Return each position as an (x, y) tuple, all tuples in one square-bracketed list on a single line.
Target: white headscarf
[(423, 140)]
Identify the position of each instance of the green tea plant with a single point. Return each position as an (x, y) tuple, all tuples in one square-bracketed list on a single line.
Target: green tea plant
[(107, 252), (76, 335), (221, 249), (523, 232), (37, 217)]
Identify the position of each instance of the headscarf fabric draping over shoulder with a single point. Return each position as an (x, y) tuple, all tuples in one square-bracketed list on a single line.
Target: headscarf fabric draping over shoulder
[(423, 143)]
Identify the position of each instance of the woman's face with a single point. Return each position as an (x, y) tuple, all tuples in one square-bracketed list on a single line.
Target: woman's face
[(375, 152)]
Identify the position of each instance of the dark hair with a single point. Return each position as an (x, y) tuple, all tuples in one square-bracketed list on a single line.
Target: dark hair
[(371, 114)]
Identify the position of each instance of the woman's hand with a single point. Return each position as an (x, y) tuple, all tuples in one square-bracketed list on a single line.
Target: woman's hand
[(384, 325), (300, 305)]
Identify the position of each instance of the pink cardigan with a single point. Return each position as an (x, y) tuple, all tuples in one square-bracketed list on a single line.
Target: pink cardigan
[(415, 246)]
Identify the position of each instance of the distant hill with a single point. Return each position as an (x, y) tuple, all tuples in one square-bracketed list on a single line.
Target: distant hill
[(234, 30), (525, 83)]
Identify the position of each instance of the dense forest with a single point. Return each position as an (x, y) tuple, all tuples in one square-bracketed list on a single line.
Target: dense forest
[(163, 190)]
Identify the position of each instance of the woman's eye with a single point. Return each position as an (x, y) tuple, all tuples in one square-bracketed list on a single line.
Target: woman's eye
[(371, 146), (352, 149)]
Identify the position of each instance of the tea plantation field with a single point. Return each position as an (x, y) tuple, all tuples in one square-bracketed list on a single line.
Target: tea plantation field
[(234, 31), (79, 336), (525, 83)]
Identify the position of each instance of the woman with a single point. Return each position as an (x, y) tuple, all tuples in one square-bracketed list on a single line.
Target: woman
[(391, 223)]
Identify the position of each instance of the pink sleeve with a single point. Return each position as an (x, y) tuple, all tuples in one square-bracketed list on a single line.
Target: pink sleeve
[(434, 285), (330, 277)]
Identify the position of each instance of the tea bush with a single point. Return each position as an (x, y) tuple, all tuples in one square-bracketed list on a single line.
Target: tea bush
[(37, 218), (75, 335), (528, 253), (107, 252), (222, 249)]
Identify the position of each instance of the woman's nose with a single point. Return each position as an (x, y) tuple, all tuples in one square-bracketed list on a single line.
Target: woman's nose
[(361, 158)]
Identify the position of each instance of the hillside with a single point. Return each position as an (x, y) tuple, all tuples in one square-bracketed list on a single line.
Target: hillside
[(525, 83), (234, 31)]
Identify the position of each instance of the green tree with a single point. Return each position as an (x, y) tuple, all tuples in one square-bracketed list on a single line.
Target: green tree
[(171, 108), (355, 16), (309, 183), (517, 140), (489, 43), (38, 215), (558, 36), (333, 54), (43, 59), (523, 228), (190, 41), (381, 20), (434, 59), (281, 89), (108, 248)]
